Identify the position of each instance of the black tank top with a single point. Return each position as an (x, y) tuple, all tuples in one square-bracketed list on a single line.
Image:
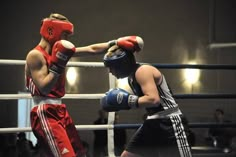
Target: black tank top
[(167, 100)]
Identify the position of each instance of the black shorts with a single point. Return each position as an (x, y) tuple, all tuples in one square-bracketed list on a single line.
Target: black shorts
[(160, 138)]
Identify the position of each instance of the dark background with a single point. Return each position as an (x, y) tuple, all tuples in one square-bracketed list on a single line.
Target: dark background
[(174, 32)]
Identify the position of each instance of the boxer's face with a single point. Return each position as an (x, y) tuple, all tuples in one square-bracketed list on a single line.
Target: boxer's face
[(113, 71), (65, 35), (118, 72)]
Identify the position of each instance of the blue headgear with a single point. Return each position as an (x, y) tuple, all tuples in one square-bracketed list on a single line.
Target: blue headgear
[(121, 60)]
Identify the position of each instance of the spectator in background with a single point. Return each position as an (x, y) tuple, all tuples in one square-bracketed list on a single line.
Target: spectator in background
[(100, 136), (119, 137), (9, 143), (24, 146), (219, 136)]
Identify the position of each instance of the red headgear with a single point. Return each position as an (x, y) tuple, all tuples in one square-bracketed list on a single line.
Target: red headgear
[(51, 29)]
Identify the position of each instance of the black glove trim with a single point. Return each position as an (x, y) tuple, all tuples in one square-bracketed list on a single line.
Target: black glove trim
[(56, 69)]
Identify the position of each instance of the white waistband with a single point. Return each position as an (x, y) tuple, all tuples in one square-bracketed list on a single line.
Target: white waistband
[(165, 114), (42, 100)]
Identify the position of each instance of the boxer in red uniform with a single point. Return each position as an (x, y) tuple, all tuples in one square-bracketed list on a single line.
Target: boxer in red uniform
[(45, 79)]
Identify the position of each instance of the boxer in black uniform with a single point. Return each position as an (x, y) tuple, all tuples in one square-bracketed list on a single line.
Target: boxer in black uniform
[(163, 133)]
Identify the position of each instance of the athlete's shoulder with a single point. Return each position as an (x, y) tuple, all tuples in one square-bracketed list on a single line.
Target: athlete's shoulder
[(34, 57), (147, 68), (33, 54)]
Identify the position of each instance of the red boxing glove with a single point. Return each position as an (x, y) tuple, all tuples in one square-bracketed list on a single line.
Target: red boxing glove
[(62, 51), (131, 43)]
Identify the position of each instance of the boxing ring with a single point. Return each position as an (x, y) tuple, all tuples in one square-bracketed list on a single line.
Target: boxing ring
[(110, 126)]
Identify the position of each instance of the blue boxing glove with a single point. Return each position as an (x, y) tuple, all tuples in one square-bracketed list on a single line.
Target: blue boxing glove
[(118, 99)]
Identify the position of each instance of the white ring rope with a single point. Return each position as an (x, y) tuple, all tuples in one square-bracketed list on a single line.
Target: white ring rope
[(78, 127), (221, 45), (67, 96), (70, 64)]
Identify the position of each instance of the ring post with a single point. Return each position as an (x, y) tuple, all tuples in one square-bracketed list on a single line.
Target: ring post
[(111, 118)]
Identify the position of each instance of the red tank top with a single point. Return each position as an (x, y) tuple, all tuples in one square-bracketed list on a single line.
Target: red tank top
[(59, 88)]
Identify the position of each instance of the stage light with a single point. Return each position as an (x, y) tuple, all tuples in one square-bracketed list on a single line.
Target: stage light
[(192, 75), (71, 76)]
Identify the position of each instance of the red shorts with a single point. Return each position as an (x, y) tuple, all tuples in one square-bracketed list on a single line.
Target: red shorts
[(55, 131)]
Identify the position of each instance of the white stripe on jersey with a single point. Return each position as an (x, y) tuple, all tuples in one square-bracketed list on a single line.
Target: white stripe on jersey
[(47, 130), (181, 138), (167, 100), (31, 86)]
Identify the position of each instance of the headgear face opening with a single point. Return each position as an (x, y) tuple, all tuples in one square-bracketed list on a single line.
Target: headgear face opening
[(122, 62), (52, 29)]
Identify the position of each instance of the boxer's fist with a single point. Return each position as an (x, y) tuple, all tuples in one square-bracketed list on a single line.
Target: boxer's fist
[(118, 99), (130, 43), (62, 51)]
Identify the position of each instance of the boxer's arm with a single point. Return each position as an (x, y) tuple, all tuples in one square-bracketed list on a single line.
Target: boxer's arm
[(132, 43), (37, 67), (99, 48), (148, 77)]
